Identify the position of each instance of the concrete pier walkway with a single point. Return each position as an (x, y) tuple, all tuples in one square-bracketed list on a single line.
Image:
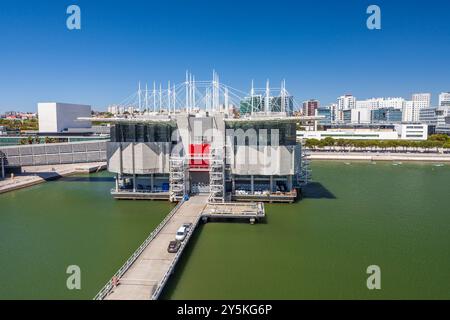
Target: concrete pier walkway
[(146, 276)]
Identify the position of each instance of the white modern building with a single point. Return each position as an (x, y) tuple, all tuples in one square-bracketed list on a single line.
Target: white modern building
[(411, 109), (412, 131), (444, 99), (55, 117), (360, 116), (378, 103), (346, 102), (404, 131)]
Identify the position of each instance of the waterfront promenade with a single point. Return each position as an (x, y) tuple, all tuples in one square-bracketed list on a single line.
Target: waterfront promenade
[(382, 156), (32, 175)]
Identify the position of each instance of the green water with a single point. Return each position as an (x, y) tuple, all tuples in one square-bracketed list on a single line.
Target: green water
[(396, 217), (72, 221), (353, 216)]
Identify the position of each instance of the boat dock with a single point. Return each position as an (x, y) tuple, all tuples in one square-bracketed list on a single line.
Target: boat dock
[(145, 274)]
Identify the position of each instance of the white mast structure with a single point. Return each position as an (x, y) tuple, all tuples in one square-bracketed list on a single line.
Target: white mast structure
[(226, 110), (146, 98), (186, 104), (252, 93), (160, 97), (154, 97), (190, 93), (193, 91), (139, 96), (283, 96), (168, 97)]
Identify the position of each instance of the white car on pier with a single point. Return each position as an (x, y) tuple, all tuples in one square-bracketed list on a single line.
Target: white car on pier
[(181, 233)]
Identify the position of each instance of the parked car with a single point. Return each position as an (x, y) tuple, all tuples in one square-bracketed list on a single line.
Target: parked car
[(181, 233), (173, 246)]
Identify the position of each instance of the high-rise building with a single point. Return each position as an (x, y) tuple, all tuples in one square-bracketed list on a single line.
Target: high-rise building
[(377, 103), (444, 99), (421, 100), (310, 107), (327, 113), (411, 109), (346, 102)]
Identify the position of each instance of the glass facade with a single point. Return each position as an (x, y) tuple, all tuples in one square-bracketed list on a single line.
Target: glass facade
[(388, 115), (265, 132), (131, 132)]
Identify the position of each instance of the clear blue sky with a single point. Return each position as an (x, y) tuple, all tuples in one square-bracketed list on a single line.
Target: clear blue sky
[(322, 48)]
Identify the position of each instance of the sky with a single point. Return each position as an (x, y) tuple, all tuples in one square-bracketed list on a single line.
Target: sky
[(323, 49)]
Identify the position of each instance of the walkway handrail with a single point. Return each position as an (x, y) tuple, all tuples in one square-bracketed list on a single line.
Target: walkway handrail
[(110, 284), (162, 283)]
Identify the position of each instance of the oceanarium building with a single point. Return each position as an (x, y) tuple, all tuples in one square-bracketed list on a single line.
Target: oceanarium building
[(171, 152)]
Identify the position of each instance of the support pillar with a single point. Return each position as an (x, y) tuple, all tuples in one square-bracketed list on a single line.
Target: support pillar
[(134, 169), (252, 184), (152, 181), (233, 184), (289, 183), (3, 168), (271, 184)]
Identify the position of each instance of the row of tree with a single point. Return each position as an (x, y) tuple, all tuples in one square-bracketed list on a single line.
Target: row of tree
[(433, 142), (20, 125), (36, 140)]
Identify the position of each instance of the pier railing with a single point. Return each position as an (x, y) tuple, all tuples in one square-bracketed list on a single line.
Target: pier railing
[(112, 283), (169, 271)]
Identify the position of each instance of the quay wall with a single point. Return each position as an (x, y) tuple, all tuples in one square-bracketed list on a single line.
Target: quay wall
[(368, 156)]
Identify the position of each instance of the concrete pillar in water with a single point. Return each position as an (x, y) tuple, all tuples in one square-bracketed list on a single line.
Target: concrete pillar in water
[(3, 168), (289, 183)]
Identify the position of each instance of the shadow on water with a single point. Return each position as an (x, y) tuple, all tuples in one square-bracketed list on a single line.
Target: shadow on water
[(88, 179), (50, 176), (316, 190)]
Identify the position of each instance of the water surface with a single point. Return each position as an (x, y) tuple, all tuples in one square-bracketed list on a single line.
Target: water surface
[(353, 215), (72, 221)]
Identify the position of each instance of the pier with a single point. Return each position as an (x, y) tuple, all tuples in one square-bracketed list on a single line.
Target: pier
[(145, 274)]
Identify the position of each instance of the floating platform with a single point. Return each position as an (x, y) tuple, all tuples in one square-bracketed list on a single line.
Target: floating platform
[(252, 211), (271, 197), (131, 195)]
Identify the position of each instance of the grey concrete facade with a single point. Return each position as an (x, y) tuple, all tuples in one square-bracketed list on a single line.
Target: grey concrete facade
[(55, 153)]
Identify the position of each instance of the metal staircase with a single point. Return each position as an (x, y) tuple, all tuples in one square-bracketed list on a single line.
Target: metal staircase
[(177, 178), (216, 176), (304, 176)]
